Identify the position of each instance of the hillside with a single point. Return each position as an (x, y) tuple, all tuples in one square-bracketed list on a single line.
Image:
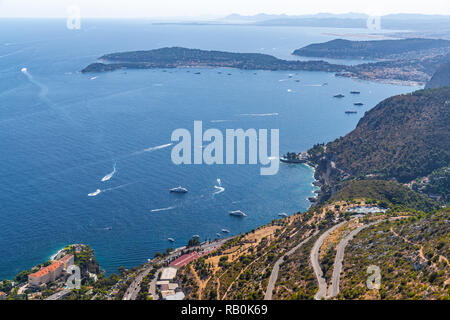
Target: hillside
[(177, 57), (376, 49), (275, 260), (441, 78), (412, 255), (386, 192), (403, 137)]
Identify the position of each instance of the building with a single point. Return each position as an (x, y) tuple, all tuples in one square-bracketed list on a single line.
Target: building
[(2, 295), (184, 259), (67, 260), (166, 293), (168, 273), (177, 296), (46, 274)]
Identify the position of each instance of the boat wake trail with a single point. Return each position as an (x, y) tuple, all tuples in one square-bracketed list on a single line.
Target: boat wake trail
[(218, 121), (98, 191), (43, 89), (259, 114), (219, 187), (109, 175), (43, 92), (163, 209), (153, 148), (118, 187)]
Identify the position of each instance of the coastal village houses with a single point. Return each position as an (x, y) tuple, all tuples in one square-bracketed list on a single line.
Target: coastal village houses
[(51, 272)]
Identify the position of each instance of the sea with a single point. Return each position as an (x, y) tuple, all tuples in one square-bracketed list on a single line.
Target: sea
[(86, 158)]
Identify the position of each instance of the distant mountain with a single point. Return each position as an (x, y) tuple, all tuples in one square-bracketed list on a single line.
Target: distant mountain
[(358, 20), (441, 77), (265, 17), (330, 22), (403, 137), (377, 49)]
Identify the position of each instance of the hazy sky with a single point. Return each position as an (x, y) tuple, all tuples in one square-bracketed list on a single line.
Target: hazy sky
[(214, 8)]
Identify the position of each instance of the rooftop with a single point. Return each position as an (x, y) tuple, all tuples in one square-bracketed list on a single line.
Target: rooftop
[(168, 273), (184, 259), (44, 271), (66, 258)]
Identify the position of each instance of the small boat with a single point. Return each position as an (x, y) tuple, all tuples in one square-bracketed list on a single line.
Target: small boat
[(225, 231), (95, 193), (339, 95), (171, 239), (196, 72), (238, 213), (108, 228), (218, 235), (325, 84), (283, 214), (179, 189), (358, 104), (355, 92), (195, 236), (297, 80), (351, 111)]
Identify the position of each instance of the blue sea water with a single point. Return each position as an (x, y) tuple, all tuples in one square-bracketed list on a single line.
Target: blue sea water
[(61, 132)]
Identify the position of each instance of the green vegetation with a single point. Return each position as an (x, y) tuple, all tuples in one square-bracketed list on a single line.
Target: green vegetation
[(438, 185), (384, 193), (183, 57), (441, 78), (193, 242), (346, 49), (403, 137), (411, 254)]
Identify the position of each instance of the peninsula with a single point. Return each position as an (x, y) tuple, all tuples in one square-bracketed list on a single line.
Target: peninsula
[(412, 68), (177, 57)]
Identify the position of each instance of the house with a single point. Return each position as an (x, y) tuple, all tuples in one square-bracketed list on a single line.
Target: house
[(46, 274)]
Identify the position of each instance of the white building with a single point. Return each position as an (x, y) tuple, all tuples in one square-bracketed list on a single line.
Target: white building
[(168, 273)]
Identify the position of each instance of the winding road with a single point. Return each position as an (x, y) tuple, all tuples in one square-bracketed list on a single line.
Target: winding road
[(314, 257), (135, 287), (333, 289), (276, 269)]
